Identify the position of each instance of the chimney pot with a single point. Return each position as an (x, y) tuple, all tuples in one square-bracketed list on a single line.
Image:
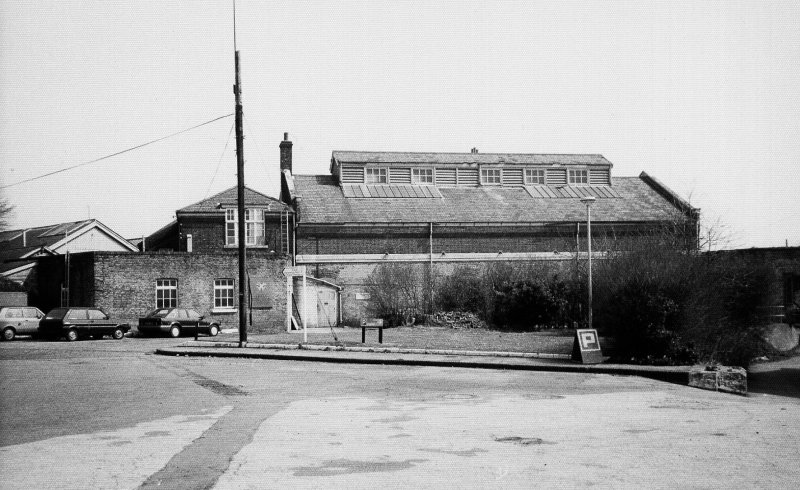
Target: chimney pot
[(285, 136)]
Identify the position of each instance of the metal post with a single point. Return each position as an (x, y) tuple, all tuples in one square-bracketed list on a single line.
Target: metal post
[(588, 201), (305, 312), (589, 248)]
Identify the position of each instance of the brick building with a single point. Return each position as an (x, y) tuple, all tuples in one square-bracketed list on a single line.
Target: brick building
[(436, 210), (20, 248), (128, 285), (211, 225), (192, 262)]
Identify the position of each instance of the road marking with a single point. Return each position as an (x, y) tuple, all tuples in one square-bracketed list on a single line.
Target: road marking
[(122, 458)]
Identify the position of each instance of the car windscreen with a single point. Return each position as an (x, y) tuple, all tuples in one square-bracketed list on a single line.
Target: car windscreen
[(57, 313)]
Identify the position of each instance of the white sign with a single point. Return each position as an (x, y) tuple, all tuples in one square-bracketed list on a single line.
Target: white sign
[(298, 270)]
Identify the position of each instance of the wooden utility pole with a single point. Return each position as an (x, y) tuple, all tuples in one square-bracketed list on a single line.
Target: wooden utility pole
[(237, 90)]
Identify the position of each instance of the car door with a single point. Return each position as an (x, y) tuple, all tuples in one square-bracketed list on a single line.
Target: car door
[(189, 323), (29, 324), (194, 317), (98, 321), (76, 318)]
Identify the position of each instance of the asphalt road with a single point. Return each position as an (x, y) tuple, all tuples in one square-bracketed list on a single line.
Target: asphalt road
[(109, 414)]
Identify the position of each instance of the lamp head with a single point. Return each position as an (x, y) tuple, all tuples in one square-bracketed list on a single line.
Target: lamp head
[(588, 200)]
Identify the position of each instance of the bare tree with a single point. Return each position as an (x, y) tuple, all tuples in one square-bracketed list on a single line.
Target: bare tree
[(6, 209)]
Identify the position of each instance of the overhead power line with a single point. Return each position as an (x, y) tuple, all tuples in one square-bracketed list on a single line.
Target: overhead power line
[(117, 153)]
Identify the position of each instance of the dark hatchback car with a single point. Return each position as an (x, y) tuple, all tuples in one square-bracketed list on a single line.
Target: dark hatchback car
[(176, 322), (80, 322)]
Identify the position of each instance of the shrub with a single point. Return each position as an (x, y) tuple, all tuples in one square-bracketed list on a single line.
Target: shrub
[(463, 290), (397, 293)]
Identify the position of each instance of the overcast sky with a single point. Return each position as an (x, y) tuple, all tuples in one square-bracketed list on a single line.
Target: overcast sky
[(705, 96)]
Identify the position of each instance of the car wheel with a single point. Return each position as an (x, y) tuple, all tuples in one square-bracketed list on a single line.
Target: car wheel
[(8, 333), (72, 335), (118, 334), (213, 330), (174, 331)]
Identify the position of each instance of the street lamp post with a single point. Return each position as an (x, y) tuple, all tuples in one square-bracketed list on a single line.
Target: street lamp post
[(588, 201)]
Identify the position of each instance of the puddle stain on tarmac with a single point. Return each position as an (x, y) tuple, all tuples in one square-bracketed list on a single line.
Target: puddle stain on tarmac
[(523, 441), (347, 466), (399, 418), (467, 453), (157, 433)]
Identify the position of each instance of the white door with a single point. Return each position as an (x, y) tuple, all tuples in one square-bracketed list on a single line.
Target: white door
[(326, 307)]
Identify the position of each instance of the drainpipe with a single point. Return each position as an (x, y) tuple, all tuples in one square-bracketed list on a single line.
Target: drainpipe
[(430, 267)]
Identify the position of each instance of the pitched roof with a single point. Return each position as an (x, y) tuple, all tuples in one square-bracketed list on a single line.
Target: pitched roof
[(228, 199), (455, 158), (16, 244), (323, 201)]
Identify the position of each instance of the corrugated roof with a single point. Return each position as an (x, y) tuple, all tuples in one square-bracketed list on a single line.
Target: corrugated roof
[(323, 201), (228, 198), (456, 158)]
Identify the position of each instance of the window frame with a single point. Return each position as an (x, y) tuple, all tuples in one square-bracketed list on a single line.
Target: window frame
[(537, 174), (418, 173), (163, 286), (252, 226), (376, 175), (231, 225), (496, 179), (578, 176), (218, 287)]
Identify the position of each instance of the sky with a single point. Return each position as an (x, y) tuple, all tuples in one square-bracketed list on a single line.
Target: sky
[(705, 96)]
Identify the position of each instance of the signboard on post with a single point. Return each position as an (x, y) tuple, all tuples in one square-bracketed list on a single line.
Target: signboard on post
[(297, 270), (586, 347)]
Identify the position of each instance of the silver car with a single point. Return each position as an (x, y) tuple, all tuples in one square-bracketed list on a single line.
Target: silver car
[(19, 320)]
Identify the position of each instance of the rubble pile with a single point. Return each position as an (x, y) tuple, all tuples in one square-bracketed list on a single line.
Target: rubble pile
[(456, 319)]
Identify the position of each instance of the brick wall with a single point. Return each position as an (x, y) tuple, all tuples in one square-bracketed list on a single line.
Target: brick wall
[(123, 284), (208, 233), (467, 239)]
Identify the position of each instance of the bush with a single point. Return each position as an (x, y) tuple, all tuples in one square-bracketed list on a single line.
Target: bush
[(664, 305), (397, 293), (463, 290)]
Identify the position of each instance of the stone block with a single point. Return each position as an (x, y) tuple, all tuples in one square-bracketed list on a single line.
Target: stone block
[(726, 379)]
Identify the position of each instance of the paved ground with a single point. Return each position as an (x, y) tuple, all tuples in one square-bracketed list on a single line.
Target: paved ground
[(108, 414)]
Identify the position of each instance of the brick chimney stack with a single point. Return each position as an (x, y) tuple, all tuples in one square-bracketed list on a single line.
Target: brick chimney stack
[(286, 153)]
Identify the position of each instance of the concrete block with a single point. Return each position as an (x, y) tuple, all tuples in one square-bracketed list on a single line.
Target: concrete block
[(726, 379)]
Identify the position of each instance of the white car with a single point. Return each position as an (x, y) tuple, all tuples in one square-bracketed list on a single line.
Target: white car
[(19, 320)]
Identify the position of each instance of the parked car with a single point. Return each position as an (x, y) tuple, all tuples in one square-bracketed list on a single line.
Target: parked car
[(19, 320), (176, 322), (80, 322)]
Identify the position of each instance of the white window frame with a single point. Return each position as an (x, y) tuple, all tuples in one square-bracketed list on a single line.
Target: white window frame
[(535, 176), (491, 176), (224, 294), (254, 227), (578, 176), (166, 293), (231, 227), (376, 176), (423, 176)]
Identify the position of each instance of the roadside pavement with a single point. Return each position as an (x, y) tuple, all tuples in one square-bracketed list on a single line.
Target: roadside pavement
[(419, 357)]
